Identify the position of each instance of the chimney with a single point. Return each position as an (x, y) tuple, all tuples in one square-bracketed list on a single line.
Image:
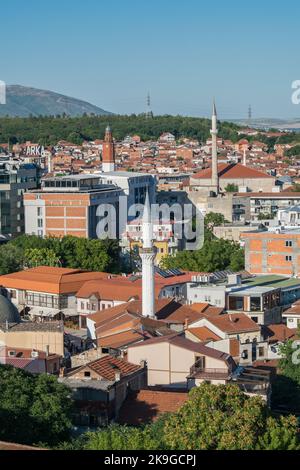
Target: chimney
[(143, 363), (47, 350), (117, 376), (186, 324)]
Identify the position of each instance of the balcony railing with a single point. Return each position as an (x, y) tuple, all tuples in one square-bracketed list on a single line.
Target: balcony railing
[(198, 371)]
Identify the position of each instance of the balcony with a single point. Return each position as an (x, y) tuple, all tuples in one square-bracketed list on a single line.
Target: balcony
[(197, 371)]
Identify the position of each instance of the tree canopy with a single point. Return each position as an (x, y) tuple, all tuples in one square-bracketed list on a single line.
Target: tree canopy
[(68, 252), (33, 408), (48, 130), (215, 417)]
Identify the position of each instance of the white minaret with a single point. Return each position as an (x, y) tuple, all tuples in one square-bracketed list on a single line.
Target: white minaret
[(148, 256), (245, 158), (50, 166), (214, 162)]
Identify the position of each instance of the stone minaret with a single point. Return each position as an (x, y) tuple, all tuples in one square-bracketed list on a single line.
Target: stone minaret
[(108, 152), (50, 166), (148, 256), (214, 162)]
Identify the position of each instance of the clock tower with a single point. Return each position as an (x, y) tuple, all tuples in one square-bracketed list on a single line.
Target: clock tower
[(108, 152)]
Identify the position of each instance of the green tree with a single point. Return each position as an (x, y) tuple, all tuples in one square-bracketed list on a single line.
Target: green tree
[(231, 188), (224, 418), (11, 259), (40, 257), (33, 408), (215, 255)]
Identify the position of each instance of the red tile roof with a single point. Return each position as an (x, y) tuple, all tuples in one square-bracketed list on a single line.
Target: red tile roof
[(279, 333), (50, 280), (234, 323), (231, 171), (204, 334), (107, 366), (146, 406)]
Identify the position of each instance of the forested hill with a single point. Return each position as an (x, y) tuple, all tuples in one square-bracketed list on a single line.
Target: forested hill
[(27, 101), (49, 130)]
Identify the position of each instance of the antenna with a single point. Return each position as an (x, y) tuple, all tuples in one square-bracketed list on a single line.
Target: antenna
[(249, 114), (149, 113)]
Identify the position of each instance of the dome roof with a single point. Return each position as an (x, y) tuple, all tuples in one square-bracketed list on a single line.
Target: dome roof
[(8, 312)]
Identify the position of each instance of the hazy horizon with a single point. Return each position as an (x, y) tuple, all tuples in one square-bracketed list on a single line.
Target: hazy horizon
[(184, 54)]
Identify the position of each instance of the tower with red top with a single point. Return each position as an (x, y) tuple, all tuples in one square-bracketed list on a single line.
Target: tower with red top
[(108, 152)]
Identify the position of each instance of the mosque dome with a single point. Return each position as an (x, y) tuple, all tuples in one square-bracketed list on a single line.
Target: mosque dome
[(8, 312)]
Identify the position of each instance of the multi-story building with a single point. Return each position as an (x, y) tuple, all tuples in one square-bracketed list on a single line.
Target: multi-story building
[(69, 206), (165, 240), (276, 251), (72, 205), (15, 179), (269, 203)]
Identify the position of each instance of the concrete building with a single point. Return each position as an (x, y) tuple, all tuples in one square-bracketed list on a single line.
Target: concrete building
[(171, 360), (15, 179), (270, 203), (100, 387), (165, 241), (276, 251), (244, 178)]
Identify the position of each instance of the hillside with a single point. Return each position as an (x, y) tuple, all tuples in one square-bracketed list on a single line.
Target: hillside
[(24, 102), (49, 130)]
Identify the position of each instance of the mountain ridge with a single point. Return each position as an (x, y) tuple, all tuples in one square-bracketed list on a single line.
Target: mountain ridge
[(22, 101)]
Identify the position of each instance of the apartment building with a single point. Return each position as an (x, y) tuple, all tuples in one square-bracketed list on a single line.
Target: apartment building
[(269, 203), (165, 240), (15, 179)]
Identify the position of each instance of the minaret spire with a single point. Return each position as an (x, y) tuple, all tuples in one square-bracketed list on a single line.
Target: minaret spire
[(148, 256), (214, 162)]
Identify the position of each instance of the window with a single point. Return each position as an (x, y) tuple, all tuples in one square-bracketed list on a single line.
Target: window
[(288, 258), (39, 211), (82, 305), (236, 303), (261, 351), (87, 374), (255, 304), (288, 243), (13, 294), (245, 354), (255, 319)]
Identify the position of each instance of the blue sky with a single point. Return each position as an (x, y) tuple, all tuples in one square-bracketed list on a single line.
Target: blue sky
[(184, 52)]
